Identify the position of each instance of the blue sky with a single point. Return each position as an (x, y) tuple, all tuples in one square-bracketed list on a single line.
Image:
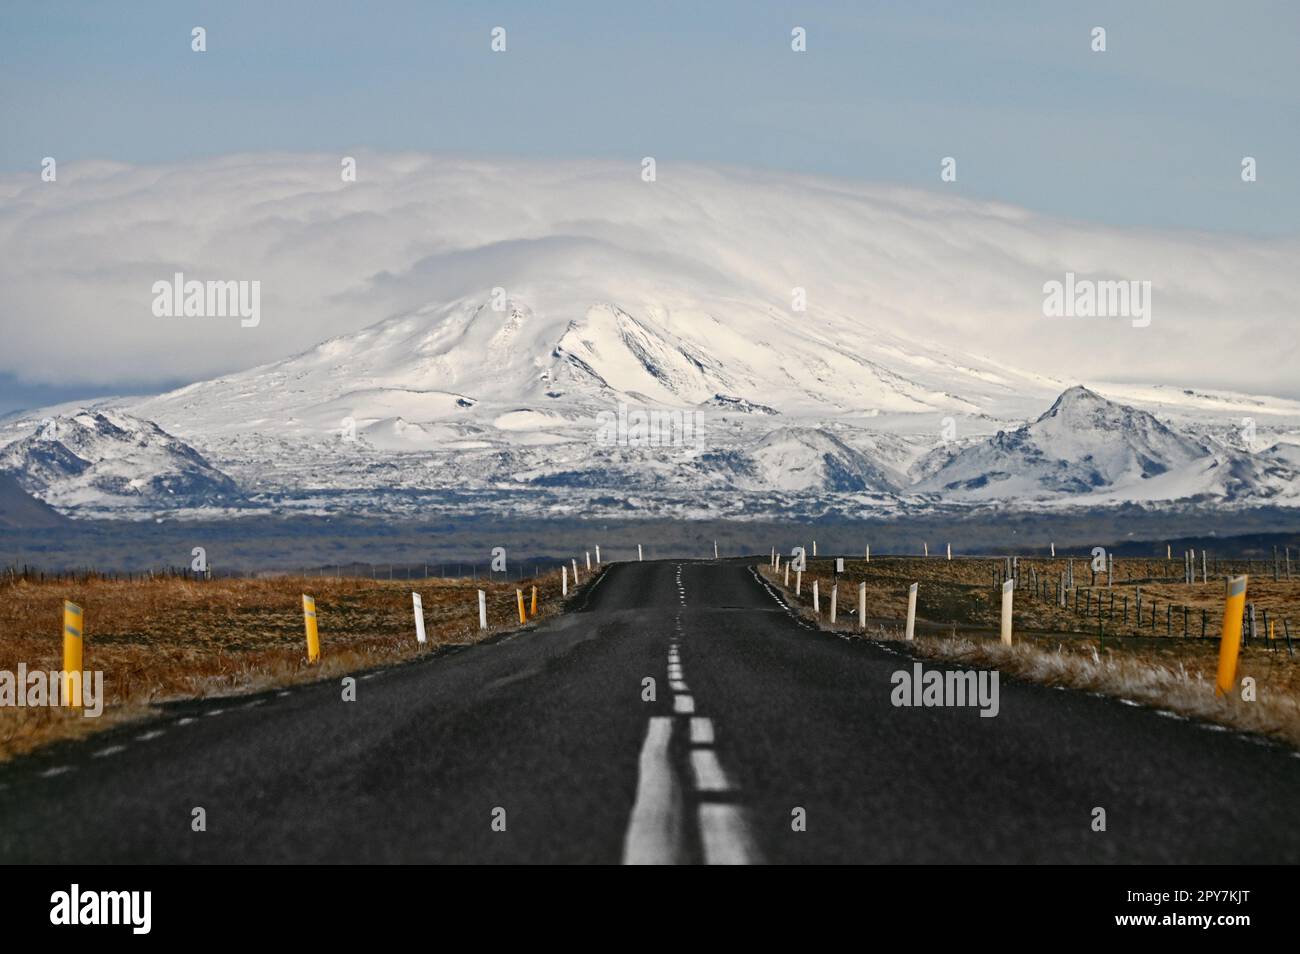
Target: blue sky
[(1148, 134)]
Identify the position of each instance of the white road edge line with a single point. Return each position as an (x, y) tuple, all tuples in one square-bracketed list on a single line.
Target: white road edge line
[(654, 832)]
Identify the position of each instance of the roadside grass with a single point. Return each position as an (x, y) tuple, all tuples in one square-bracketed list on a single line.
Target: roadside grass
[(957, 622), (170, 639)]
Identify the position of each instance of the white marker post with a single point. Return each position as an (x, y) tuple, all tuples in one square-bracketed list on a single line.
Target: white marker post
[(786, 584), (1053, 551), (597, 554), (817, 600), (950, 551), (814, 548), (588, 561), (771, 561), (835, 593), (798, 581), (1008, 593), (419, 617), (839, 564), (564, 580), (638, 552), (927, 549), (575, 571), (715, 549), (482, 610), (868, 552), (910, 633), (862, 605)]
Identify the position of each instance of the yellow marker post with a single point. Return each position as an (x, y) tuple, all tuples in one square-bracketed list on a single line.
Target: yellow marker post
[(519, 594), (72, 645), (534, 610), (313, 636), (1234, 602)]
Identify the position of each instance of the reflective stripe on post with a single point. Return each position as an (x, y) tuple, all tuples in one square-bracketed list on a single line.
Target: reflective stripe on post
[(1234, 603)]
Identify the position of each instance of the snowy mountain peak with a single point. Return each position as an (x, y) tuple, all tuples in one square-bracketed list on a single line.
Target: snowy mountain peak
[(1083, 444), (80, 458)]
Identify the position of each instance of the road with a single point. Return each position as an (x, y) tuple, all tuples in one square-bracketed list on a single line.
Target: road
[(759, 727)]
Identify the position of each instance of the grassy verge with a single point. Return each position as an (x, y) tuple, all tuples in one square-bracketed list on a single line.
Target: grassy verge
[(168, 639), (1163, 672)]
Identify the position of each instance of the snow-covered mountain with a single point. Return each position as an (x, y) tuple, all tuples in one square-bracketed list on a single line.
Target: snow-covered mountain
[(535, 405), (98, 457), (1082, 444), (811, 345)]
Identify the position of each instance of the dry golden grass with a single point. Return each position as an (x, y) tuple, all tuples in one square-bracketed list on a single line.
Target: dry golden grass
[(957, 622), (167, 639)]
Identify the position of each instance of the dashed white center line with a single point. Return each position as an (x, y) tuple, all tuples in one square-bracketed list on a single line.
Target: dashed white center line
[(726, 836), (147, 736), (57, 770), (683, 704), (110, 750), (185, 721), (676, 685), (701, 730), (654, 834), (708, 773)]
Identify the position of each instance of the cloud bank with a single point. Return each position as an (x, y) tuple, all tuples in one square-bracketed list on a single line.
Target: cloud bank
[(79, 257)]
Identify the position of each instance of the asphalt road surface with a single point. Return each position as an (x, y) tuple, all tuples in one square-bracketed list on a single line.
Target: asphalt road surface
[(765, 742)]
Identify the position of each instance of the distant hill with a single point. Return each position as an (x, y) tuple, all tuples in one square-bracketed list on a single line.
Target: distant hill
[(21, 511)]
